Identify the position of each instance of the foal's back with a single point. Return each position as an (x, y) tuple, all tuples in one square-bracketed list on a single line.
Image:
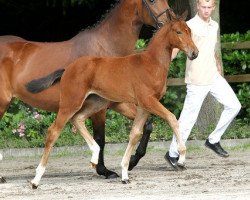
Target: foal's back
[(118, 79)]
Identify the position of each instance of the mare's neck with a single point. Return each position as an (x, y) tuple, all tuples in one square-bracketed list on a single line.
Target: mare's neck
[(117, 33)]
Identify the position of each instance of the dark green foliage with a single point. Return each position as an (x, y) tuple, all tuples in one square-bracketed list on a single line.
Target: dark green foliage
[(236, 61)]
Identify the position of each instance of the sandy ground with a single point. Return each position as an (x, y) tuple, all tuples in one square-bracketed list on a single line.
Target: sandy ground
[(70, 177)]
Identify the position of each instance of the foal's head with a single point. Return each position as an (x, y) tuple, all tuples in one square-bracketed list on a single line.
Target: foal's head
[(153, 12), (180, 37)]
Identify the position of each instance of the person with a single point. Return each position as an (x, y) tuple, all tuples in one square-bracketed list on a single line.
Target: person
[(203, 76)]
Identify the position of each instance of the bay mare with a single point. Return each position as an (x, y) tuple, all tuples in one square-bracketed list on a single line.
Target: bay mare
[(116, 35), (138, 78)]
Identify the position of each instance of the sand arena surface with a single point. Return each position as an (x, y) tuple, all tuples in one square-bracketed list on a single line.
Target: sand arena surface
[(70, 177)]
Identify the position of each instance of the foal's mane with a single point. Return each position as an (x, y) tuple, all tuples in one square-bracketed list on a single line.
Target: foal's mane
[(104, 16)]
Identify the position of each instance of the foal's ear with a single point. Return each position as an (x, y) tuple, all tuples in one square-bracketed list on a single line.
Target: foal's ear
[(184, 15)]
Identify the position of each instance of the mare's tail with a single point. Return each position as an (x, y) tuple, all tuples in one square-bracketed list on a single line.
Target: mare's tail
[(38, 85)]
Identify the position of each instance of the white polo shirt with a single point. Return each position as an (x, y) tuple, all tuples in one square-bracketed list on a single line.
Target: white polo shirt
[(202, 70)]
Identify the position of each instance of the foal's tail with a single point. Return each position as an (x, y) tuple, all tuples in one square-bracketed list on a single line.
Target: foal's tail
[(38, 85)]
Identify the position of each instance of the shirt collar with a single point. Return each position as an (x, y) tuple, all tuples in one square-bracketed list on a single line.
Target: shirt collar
[(202, 21)]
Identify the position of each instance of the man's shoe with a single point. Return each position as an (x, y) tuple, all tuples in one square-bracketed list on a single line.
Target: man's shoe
[(171, 160), (216, 147)]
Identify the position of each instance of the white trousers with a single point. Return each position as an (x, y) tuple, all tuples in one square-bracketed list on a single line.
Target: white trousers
[(196, 94)]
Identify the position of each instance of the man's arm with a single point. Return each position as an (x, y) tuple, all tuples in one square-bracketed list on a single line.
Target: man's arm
[(218, 64)]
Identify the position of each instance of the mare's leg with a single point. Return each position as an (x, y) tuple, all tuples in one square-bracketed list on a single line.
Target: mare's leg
[(134, 137), (129, 110), (98, 122), (5, 99), (4, 104), (155, 107)]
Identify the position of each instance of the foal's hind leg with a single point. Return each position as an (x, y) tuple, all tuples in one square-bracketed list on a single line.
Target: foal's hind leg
[(98, 105), (134, 137), (129, 110), (93, 104), (53, 134), (78, 120), (65, 113)]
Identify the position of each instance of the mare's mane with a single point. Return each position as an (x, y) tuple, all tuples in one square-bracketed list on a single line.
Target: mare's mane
[(105, 16)]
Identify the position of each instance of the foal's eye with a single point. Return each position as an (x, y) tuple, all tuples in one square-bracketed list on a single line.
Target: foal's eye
[(179, 32), (152, 1)]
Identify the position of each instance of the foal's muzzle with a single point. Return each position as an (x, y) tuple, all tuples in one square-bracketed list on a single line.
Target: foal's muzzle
[(192, 55)]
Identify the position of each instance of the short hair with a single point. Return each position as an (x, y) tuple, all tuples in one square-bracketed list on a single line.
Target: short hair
[(205, 0)]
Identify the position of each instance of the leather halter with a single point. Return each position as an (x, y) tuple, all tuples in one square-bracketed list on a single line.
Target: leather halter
[(158, 23)]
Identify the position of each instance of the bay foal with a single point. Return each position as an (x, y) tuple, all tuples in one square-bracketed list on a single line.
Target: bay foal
[(116, 35), (139, 79)]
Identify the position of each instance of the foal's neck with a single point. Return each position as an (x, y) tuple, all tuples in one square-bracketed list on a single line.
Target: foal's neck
[(160, 48)]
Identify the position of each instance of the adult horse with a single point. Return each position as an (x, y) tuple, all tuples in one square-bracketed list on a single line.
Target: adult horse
[(22, 60), (142, 81)]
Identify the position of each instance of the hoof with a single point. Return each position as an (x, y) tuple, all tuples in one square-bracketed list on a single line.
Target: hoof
[(93, 165), (2, 180), (181, 167), (103, 171), (126, 181), (112, 175), (33, 185)]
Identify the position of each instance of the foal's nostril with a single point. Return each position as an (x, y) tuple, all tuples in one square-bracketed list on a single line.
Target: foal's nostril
[(194, 55)]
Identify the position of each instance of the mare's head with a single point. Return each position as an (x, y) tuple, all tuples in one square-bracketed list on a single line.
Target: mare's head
[(153, 12), (180, 36)]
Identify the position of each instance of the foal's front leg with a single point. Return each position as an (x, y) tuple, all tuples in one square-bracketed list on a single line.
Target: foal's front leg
[(134, 137), (154, 106), (142, 147)]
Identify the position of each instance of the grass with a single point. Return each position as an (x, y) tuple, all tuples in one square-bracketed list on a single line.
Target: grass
[(241, 147), (120, 151), (117, 133)]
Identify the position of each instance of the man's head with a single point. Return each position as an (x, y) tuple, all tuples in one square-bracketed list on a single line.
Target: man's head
[(205, 8)]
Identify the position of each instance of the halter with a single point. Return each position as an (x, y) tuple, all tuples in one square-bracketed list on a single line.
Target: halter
[(158, 23)]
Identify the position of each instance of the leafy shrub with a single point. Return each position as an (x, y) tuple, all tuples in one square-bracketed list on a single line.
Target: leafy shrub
[(238, 62), (24, 126)]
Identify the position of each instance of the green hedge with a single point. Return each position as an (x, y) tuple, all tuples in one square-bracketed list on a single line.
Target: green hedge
[(23, 126)]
